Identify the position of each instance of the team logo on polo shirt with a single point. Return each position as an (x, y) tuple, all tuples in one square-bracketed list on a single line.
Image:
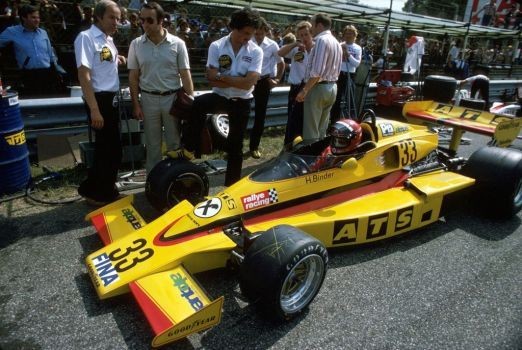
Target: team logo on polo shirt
[(105, 54), (299, 56), (225, 62)]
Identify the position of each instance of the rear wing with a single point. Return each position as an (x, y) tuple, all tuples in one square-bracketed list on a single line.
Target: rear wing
[(502, 128)]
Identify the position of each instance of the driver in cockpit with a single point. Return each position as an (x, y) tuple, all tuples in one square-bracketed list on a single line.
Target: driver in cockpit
[(345, 135)]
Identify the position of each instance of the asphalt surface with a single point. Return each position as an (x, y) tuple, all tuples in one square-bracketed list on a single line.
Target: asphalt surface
[(456, 284)]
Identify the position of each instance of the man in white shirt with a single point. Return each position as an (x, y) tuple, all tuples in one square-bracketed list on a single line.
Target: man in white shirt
[(158, 65), (298, 52), (323, 69), (271, 74), (97, 60), (233, 68), (345, 84)]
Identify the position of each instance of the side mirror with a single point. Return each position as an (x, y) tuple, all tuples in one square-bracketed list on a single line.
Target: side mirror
[(349, 164)]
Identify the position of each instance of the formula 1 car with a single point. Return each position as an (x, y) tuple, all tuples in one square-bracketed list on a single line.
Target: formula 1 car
[(276, 224)]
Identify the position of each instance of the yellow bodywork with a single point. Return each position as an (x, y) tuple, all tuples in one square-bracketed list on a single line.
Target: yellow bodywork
[(367, 198)]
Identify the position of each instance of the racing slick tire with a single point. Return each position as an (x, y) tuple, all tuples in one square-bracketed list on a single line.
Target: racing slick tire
[(439, 88), (283, 271), (173, 180), (498, 181), (219, 128)]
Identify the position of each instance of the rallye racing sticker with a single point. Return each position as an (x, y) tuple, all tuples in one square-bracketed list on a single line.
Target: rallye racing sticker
[(209, 208), (259, 199)]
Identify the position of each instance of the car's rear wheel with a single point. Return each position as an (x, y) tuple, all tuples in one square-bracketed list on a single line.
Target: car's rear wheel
[(439, 88), (173, 180), (498, 174), (283, 271)]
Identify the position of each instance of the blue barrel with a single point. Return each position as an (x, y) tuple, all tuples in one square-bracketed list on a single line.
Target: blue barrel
[(14, 155)]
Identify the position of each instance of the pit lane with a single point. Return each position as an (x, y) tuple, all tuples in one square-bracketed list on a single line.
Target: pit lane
[(454, 284)]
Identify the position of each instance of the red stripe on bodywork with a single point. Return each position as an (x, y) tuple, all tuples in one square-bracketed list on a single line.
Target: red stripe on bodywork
[(483, 130), (158, 320), (100, 224), (391, 180), (161, 240)]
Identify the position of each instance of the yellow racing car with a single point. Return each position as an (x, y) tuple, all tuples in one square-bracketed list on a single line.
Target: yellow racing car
[(275, 225)]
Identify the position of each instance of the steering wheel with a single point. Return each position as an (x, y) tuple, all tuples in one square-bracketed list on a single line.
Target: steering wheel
[(298, 165)]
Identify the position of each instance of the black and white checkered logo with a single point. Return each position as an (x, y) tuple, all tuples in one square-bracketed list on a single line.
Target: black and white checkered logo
[(272, 195)]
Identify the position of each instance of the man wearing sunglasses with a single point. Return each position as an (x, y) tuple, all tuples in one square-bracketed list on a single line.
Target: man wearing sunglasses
[(233, 68), (158, 65)]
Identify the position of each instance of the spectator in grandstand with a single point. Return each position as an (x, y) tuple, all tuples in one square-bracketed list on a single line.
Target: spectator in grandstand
[(87, 20), (345, 84), (51, 18), (135, 29), (124, 21), (168, 25), (490, 13), (323, 69), (233, 67), (510, 17), (5, 15), (196, 36), (452, 56), (183, 32), (97, 60), (276, 36), (158, 65), (34, 54), (271, 74), (298, 52)]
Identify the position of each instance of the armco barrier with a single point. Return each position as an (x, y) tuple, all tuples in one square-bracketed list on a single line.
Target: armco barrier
[(67, 116)]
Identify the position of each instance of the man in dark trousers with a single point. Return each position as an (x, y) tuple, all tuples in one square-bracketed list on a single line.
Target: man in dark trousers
[(233, 68), (97, 61), (271, 74)]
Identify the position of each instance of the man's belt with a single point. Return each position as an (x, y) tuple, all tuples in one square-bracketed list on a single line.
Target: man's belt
[(159, 93), (326, 82)]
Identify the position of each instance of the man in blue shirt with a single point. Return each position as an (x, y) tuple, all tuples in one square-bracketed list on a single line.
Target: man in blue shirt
[(34, 55)]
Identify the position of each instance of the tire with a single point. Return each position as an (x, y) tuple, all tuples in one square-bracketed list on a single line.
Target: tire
[(283, 271), (219, 128), (439, 88), (173, 180), (498, 188)]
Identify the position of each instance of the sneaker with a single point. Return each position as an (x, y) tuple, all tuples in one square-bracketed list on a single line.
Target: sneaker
[(256, 154), (181, 153)]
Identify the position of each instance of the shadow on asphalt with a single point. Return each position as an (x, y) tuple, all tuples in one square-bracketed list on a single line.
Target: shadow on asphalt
[(57, 220)]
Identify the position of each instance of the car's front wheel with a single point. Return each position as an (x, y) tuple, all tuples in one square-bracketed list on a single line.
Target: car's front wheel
[(283, 271)]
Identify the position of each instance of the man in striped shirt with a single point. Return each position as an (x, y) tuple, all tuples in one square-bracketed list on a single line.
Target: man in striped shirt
[(323, 69)]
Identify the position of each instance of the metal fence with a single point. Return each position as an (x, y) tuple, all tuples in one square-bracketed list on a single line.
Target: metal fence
[(67, 116)]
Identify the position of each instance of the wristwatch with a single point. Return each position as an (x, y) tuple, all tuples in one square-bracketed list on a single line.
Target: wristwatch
[(218, 76)]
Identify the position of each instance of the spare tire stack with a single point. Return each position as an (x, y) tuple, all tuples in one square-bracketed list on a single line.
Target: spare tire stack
[(439, 88)]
